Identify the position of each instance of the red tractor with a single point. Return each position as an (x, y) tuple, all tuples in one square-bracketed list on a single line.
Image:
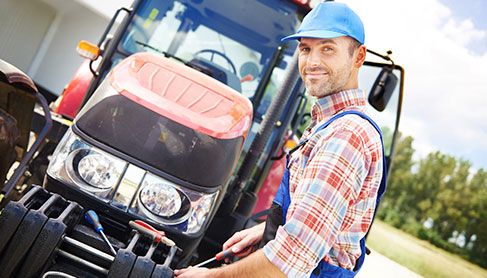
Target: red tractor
[(182, 126)]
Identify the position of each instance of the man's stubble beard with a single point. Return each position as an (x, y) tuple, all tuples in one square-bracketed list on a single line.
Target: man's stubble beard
[(335, 83)]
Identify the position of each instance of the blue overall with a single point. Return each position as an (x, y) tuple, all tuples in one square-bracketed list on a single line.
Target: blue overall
[(283, 199)]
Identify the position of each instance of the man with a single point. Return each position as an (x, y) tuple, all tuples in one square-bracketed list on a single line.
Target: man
[(328, 195)]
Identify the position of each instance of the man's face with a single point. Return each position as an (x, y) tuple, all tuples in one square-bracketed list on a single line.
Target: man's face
[(326, 65)]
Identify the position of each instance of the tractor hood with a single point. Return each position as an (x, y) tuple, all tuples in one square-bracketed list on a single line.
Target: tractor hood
[(170, 117)]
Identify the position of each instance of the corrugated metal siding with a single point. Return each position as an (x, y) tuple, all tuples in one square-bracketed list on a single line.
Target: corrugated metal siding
[(23, 24)]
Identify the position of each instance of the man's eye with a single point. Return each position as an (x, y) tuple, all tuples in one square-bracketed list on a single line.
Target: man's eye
[(327, 49), (304, 50)]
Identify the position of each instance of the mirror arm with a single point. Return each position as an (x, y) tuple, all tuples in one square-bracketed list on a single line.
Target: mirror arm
[(386, 57)]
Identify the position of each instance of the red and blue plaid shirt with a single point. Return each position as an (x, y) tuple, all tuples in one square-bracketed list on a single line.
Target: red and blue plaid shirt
[(334, 179)]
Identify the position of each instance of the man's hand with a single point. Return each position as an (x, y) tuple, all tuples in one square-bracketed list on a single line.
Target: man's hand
[(242, 241), (255, 265), (192, 272)]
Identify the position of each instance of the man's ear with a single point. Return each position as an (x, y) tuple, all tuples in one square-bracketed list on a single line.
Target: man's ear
[(360, 52)]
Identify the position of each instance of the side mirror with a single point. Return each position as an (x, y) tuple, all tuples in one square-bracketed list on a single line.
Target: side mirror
[(382, 90)]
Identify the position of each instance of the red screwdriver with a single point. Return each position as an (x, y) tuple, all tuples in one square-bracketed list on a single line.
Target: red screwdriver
[(157, 236), (218, 257)]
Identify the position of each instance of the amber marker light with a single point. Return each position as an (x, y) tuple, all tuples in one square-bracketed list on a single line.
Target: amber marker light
[(88, 50)]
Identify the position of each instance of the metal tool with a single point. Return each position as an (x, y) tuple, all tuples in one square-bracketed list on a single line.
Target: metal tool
[(93, 219), (83, 262), (218, 257), (91, 250), (156, 235)]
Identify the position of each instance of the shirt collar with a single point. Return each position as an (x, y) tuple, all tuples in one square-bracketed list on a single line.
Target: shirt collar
[(325, 107)]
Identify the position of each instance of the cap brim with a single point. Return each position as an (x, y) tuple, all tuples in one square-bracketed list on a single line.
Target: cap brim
[(315, 34)]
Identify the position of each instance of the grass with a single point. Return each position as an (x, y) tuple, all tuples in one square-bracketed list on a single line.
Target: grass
[(419, 255)]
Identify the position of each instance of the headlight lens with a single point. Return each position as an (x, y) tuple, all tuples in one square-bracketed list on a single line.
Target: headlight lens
[(161, 199), (85, 166), (174, 205), (98, 170)]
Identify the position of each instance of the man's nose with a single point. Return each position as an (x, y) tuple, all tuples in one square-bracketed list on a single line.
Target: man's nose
[(314, 58)]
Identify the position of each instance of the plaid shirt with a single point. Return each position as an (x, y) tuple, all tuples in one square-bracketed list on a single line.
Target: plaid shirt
[(334, 179)]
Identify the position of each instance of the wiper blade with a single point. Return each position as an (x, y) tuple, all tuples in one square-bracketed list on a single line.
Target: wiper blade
[(166, 54)]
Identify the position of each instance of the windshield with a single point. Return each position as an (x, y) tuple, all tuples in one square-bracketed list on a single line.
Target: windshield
[(216, 40)]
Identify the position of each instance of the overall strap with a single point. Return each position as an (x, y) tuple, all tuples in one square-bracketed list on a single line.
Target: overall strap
[(383, 183), (382, 187), (283, 198)]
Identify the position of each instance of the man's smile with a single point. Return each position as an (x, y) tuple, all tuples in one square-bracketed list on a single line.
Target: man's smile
[(315, 75)]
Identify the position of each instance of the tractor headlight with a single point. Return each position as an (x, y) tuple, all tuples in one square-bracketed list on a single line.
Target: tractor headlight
[(128, 187), (85, 166), (97, 170), (171, 204), (164, 202), (161, 199)]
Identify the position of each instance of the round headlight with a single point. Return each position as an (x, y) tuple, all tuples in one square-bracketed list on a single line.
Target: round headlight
[(161, 199), (98, 171), (94, 171), (164, 201)]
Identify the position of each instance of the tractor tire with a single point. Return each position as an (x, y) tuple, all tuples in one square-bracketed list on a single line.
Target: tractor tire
[(164, 270), (48, 240)]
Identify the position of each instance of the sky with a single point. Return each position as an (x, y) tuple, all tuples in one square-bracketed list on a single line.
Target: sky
[(442, 45)]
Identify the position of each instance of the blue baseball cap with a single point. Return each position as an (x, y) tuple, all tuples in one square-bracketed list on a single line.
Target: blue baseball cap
[(329, 20)]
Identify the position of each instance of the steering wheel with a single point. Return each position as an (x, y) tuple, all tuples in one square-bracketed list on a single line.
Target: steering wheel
[(213, 52)]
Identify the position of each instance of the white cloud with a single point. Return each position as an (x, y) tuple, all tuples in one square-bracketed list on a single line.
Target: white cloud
[(445, 102), (463, 32)]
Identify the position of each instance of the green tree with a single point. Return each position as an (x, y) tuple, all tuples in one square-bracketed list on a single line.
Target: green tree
[(434, 171), (453, 201), (477, 218), (441, 188), (397, 200)]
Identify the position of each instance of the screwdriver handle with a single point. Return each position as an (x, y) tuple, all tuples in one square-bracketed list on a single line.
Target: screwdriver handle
[(93, 219), (146, 229), (224, 254)]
